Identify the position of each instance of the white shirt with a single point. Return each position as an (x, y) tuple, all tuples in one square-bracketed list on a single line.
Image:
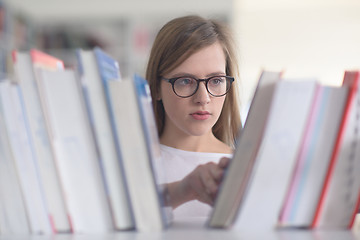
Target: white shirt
[(175, 165)]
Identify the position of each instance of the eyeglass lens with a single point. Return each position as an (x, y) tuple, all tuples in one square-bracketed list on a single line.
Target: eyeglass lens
[(187, 86)]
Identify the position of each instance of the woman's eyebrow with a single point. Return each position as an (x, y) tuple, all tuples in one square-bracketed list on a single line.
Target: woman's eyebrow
[(185, 74), (220, 73)]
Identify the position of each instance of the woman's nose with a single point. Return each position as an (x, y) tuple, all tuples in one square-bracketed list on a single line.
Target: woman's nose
[(202, 96)]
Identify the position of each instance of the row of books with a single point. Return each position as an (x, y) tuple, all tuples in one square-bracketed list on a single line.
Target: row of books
[(65, 135), (297, 160), (79, 152)]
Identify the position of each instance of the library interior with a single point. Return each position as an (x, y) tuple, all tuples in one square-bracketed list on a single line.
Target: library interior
[(315, 40)]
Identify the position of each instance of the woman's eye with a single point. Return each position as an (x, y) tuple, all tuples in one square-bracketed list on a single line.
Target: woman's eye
[(185, 81), (216, 81)]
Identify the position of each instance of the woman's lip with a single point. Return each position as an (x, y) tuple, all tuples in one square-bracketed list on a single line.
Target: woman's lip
[(200, 115)]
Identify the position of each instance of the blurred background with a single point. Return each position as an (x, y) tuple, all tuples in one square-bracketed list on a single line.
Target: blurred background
[(308, 38)]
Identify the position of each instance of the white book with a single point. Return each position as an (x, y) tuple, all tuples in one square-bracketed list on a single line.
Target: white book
[(110, 157), (26, 163), (137, 156), (232, 191), (277, 155), (314, 157), (25, 75), (13, 217), (77, 159)]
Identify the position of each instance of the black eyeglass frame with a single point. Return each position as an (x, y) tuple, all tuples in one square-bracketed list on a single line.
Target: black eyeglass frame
[(198, 80)]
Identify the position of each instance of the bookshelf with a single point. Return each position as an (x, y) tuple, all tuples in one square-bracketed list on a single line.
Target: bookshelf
[(125, 29), (194, 229)]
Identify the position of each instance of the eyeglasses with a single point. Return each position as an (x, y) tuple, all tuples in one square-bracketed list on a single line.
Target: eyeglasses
[(185, 87)]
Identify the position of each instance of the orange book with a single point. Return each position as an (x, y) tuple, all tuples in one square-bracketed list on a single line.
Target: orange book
[(26, 67)]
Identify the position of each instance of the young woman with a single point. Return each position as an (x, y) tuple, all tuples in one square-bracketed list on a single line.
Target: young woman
[(191, 73)]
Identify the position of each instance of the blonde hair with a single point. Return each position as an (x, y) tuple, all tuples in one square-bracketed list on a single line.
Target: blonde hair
[(176, 41)]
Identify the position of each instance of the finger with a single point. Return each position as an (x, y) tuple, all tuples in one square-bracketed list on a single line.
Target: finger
[(198, 182), (209, 183), (211, 172), (216, 173), (224, 162)]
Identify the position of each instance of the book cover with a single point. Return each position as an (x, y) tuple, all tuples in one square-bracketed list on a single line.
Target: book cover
[(78, 165), (152, 138), (13, 217), (338, 202), (236, 179), (25, 159), (109, 71), (277, 154), (25, 73), (314, 157), (137, 153), (110, 158)]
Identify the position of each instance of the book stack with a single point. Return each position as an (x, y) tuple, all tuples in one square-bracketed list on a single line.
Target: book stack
[(297, 159), (79, 147), (63, 167)]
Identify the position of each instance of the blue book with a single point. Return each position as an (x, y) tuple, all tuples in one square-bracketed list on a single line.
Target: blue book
[(97, 68), (150, 130), (109, 71)]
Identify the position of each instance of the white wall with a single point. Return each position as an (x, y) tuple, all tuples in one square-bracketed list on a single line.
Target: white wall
[(312, 38), (308, 38), (115, 23), (70, 10)]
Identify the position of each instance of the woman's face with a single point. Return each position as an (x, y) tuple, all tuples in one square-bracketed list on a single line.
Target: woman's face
[(195, 115)]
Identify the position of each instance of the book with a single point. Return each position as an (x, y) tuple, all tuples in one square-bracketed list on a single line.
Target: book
[(233, 189), (129, 98), (13, 217), (77, 159), (25, 161), (110, 158), (277, 154), (108, 69), (339, 199), (314, 157), (25, 66), (356, 223), (43, 60)]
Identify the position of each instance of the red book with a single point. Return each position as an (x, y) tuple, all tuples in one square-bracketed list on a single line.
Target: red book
[(339, 199), (41, 59)]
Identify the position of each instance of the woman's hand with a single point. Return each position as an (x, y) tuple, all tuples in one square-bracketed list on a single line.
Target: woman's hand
[(201, 184)]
